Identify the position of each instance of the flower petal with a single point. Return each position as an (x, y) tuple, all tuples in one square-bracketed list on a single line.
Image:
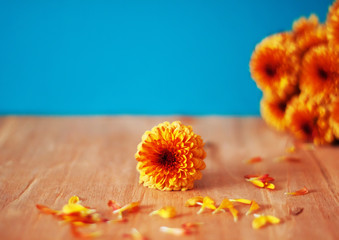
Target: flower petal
[(254, 160), (194, 201), (174, 231), (254, 206), (241, 200), (165, 212), (299, 192), (135, 235), (207, 203)]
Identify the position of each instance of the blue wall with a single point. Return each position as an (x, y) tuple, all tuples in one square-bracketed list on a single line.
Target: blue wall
[(136, 57)]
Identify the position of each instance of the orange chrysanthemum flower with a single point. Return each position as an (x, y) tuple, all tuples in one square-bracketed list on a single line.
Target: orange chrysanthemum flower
[(334, 120), (332, 24), (308, 120), (308, 33), (274, 65), (170, 157), (320, 72), (273, 111)]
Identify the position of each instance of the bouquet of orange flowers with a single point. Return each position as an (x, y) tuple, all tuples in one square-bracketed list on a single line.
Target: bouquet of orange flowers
[(298, 72)]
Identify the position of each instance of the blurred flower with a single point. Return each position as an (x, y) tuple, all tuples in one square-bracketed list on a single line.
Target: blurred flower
[(170, 157), (332, 23), (308, 120), (273, 111), (274, 65), (334, 119), (308, 33), (320, 72)]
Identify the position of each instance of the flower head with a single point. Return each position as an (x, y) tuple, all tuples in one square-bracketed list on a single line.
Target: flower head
[(273, 111), (308, 33), (320, 72), (332, 23), (308, 120), (273, 65), (334, 119), (170, 157)]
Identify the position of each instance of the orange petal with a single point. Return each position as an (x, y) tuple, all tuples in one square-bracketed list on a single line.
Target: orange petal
[(225, 204), (194, 201), (113, 204), (46, 210), (190, 225), (254, 206), (299, 192), (165, 212), (254, 160), (207, 203)]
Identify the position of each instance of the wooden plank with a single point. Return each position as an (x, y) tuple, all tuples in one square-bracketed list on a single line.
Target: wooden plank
[(47, 160)]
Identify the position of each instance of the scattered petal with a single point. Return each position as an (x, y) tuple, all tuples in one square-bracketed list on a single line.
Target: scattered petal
[(227, 204), (190, 225), (175, 231), (261, 220), (135, 235), (270, 186), (74, 200), (207, 203), (194, 201), (263, 181), (254, 160), (114, 205), (241, 200), (165, 212), (299, 192), (254, 206), (132, 207), (46, 210)]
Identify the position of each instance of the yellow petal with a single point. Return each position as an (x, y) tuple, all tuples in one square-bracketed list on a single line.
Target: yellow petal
[(207, 203), (270, 186), (224, 204), (165, 212), (74, 208), (194, 201), (134, 206), (257, 183), (241, 200), (74, 200), (272, 219), (254, 206), (259, 222)]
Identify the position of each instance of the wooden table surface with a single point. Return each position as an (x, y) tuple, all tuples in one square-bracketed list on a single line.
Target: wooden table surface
[(47, 160)]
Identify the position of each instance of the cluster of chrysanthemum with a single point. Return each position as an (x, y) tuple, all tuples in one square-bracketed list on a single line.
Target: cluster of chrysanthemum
[(298, 72)]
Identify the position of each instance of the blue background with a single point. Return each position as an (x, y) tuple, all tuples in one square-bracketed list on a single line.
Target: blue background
[(137, 57)]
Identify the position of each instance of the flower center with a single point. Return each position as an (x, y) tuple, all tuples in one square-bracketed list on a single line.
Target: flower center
[(270, 70), (306, 128), (322, 74), (167, 158)]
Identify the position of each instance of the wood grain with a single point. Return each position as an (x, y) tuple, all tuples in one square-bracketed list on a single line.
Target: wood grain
[(46, 160)]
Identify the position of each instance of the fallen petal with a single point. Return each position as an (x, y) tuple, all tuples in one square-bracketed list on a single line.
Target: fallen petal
[(165, 212), (194, 201), (299, 192)]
